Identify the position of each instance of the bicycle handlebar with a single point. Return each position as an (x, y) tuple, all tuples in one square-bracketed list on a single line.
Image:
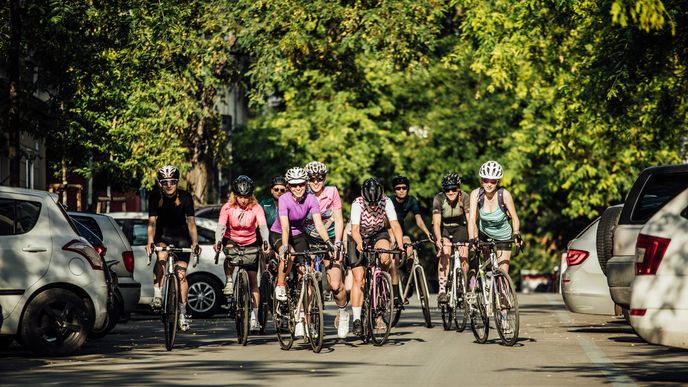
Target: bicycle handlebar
[(174, 250)]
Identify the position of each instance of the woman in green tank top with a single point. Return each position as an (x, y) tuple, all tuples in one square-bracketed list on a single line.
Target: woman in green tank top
[(491, 208)]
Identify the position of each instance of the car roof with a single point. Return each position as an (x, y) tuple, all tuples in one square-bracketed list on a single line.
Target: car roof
[(207, 223)]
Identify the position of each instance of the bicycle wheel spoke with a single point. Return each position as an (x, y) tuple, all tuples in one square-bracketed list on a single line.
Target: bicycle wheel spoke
[(506, 309), (380, 308)]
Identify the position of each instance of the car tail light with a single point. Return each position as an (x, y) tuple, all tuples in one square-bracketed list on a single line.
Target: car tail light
[(101, 250), (87, 251), (638, 312), (649, 251), (576, 257), (128, 258)]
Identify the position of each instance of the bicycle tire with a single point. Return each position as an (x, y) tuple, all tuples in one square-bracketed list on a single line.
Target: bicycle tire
[(424, 295), (480, 322), (283, 319), (380, 309), (446, 309), (266, 290), (314, 315), (461, 305), (243, 307), (506, 316), (170, 314)]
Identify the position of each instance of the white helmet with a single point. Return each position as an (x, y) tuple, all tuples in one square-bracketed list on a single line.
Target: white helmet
[(491, 170), (168, 172), (315, 168), (296, 175)]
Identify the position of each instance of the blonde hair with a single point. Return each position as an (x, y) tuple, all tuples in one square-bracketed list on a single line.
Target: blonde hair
[(233, 200)]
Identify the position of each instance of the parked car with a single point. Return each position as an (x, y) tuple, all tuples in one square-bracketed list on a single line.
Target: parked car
[(659, 292), (55, 292), (583, 285), (210, 211), (205, 281), (619, 228)]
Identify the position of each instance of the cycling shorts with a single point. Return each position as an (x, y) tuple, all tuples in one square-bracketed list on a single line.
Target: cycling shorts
[(354, 258), (298, 242), (455, 233), (176, 241)]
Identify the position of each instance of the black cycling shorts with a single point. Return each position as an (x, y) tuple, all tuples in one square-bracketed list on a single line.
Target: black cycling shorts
[(455, 233), (252, 266), (298, 242), (176, 241), (354, 258), (501, 246)]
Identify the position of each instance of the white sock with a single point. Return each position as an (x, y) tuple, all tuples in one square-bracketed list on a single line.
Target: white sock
[(254, 314), (357, 312), (342, 312), (157, 292), (229, 279), (182, 308)]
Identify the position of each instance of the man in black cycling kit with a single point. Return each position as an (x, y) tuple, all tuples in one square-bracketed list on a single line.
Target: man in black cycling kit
[(405, 203), (171, 222)]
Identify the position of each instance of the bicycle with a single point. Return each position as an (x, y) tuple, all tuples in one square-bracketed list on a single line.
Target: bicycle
[(456, 309), (491, 291), (239, 303), (267, 292), (304, 297), (171, 293), (418, 280), (378, 298)]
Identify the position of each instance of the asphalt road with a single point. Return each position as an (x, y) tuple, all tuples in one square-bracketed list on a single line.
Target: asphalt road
[(555, 348)]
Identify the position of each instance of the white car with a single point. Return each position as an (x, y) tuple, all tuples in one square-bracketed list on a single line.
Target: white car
[(52, 284), (583, 284), (205, 281), (659, 291)]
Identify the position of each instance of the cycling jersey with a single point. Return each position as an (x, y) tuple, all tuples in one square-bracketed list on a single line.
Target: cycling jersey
[(329, 201), (171, 213), (372, 220), (410, 204), (453, 214), (295, 211), (270, 210), (240, 224)]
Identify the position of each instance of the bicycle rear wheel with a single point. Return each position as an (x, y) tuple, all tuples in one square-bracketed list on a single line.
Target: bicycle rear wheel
[(380, 308), (446, 308), (506, 309), (424, 295), (170, 310), (480, 322), (460, 304), (243, 307), (266, 291), (283, 317), (314, 315)]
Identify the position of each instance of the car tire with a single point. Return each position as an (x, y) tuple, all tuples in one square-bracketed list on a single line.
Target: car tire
[(205, 296), (49, 309), (605, 235)]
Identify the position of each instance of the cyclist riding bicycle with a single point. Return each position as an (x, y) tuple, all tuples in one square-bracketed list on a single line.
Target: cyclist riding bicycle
[(289, 232), (278, 186), (403, 205), (171, 221), (369, 213), (493, 206), (449, 223), (331, 214), (236, 227)]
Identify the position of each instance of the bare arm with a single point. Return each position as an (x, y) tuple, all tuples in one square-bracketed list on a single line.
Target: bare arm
[(436, 226), (338, 225), (509, 202), (152, 220), (284, 222), (421, 225), (320, 227), (396, 230), (356, 236), (473, 215), (193, 232)]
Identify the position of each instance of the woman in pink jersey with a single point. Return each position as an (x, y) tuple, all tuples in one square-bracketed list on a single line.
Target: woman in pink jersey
[(239, 218)]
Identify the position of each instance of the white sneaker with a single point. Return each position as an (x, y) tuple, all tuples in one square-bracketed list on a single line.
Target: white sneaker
[(298, 330), (229, 289), (343, 325), (183, 323), (281, 293), (255, 326)]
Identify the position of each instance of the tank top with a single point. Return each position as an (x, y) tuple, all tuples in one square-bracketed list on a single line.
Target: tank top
[(495, 224)]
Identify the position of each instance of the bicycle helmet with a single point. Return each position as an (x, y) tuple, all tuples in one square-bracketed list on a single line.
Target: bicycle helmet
[(451, 180), (278, 180), (296, 175), (242, 185), (491, 170), (168, 172), (398, 180), (316, 168), (371, 190)]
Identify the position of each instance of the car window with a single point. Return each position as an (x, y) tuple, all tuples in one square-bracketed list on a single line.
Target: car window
[(91, 223), (140, 233), (87, 233), (205, 236), (18, 216), (66, 216), (658, 190)]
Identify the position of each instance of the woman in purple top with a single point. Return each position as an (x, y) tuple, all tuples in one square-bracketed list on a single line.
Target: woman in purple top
[(288, 229)]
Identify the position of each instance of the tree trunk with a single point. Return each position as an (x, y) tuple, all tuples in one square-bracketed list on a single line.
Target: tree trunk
[(13, 73), (199, 176)]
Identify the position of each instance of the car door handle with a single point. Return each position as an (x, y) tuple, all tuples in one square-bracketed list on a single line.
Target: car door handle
[(33, 249)]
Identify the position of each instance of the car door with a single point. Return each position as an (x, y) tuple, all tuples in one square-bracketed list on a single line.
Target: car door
[(25, 246)]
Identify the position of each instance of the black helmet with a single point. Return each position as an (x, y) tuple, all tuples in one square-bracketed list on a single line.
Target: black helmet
[(397, 180), (242, 185), (278, 180), (168, 172), (451, 180), (371, 190)]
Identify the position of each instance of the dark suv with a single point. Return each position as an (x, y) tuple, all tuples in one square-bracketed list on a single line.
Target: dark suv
[(619, 227)]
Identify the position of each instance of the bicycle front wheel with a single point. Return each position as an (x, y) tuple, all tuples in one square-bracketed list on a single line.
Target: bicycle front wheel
[(283, 317), (266, 291), (314, 315), (380, 308), (243, 307), (424, 295), (480, 322), (460, 304), (506, 309), (170, 310), (446, 309)]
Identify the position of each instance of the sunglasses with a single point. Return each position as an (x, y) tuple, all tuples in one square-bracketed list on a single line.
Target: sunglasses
[(280, 190), (316, 179), (451, 189), (490, 181), (401, 188), (169, 182), (297, 185)]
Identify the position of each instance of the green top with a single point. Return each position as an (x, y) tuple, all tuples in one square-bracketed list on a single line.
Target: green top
[(495, 224), (270, 209)]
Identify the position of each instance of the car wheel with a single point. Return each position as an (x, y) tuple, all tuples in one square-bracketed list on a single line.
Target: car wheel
[(605, 234), (205, 295), (56, 322)]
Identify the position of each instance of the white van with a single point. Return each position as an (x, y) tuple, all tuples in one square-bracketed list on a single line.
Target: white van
[(659, 291), (52, 284)]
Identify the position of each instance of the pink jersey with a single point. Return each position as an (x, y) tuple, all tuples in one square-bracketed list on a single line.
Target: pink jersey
[(241, 223)]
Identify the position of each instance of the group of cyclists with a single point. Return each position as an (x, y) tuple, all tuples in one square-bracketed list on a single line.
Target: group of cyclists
[(304, 211)]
